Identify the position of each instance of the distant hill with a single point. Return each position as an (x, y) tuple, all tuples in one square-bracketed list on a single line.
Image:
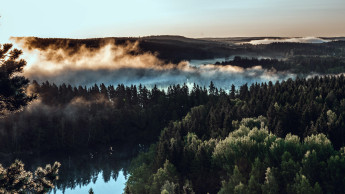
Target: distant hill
[(168, 48), (177, 48)]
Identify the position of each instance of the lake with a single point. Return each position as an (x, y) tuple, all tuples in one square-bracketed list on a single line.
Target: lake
[(104, 172), (100, 185)]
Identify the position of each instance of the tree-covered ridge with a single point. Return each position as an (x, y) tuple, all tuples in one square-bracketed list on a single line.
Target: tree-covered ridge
[(168, 48), (289, 49), (296, 64), (249, 159), (176, 49)]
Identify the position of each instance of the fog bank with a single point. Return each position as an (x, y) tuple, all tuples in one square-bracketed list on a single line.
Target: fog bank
[(116, 64), (314, 40)]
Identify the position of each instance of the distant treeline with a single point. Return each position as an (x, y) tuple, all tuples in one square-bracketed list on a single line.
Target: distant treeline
[(288, 49), (245, 62), (67, 117), (297, 64)]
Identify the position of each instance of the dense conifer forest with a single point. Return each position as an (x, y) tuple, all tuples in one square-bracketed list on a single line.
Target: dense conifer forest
[(102, 115), (271, 138)]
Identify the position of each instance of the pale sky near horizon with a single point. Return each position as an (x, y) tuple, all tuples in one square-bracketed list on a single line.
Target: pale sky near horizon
[(191, 18)]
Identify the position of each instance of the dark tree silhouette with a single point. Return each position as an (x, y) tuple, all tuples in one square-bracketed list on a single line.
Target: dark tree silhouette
[(12, 85), (13, 96)]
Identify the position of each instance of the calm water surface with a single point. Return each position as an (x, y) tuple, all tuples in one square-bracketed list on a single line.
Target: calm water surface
[(104, 172)]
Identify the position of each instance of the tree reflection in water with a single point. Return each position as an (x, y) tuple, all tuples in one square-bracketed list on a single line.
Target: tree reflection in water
[(79, 170)]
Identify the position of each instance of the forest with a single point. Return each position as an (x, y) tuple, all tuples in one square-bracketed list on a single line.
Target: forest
[(301, 107), (277, 138), (69, 118), (256, 131), (271, 137), (249, 159)]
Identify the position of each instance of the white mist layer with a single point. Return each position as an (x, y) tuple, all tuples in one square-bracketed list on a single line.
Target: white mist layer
[(115, 64), (293, 40), (163, 78)]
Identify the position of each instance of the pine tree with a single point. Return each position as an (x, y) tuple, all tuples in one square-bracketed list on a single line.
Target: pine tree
[(13, 94)]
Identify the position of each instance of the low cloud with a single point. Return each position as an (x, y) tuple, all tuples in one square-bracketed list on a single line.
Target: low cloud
[(296, 40), (124, 64)]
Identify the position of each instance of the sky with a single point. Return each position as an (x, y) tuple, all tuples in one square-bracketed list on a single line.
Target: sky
[(190, 18)]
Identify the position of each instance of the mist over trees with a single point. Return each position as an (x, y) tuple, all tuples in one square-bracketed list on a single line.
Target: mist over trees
[(88, 61), (73, 118), (178, 48)]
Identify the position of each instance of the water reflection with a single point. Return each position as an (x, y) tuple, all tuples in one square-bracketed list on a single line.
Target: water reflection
[(103, 171), (98, 186)]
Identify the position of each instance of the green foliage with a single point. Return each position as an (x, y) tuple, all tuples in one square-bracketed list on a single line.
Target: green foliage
[(248, 160), (169, 188), (234, 185), (140, 171), (334, 180), (289, 168), (271, 183), (139, 181), (164, 178), (258, 122), (331, 117), (240, 189), (302, 185), (187, 188), (253, 185), (256, 176)]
